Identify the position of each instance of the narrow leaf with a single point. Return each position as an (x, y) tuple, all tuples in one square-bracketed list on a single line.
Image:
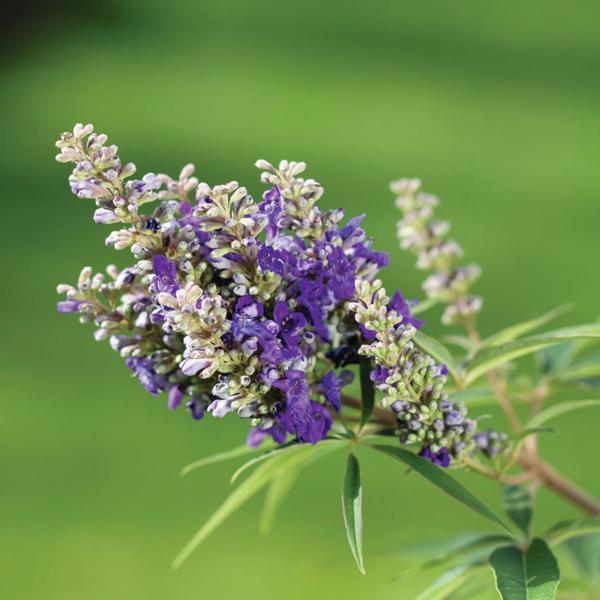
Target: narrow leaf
[(438, 351), (514, 331), (250, 486), (215, 458), (559, 409), (531, 575), (463, 548), (367, 391), (573, 528), (281, 485), (585, 551), (517, 504), (261, 457), (423, 306), (352, 509), (442, 480), (588, 367), (450, 582), (494, 356), (278, 490)]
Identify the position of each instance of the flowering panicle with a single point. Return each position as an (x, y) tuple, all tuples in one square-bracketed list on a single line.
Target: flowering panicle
[(426, 237), (250, 307), (411, 382)]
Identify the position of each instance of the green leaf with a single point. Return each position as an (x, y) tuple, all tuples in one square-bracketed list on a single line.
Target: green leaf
[(367, 391), (494, 356), (280, 487), (278, 490), (215, 458), (261, 457), (438, 351), (585, 551), (573, 528), (352, 509), (423, 306), (530, 575), (442, 480), (250, 486), (514, 331), (559, 409), (464, 548), (587, 367), (449, 582), (517, 504)]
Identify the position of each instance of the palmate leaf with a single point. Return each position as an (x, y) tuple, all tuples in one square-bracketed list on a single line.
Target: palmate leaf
[(367, 391), (352, 509), (494, 356), (519, 329), (526, 575), (560, 409), (442, 480), (438, 351), (258, 479), (517, 505)]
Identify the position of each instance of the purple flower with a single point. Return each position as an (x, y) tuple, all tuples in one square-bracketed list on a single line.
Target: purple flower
[(379, 374), (69, 306), (290, 324), (307, 420), (196, 409), (277, 261), (175, 396), (247, 306), (143, 369), (272, 206), (331, 386), (441, 458), (165, 275), (312, 296), (402, 307)]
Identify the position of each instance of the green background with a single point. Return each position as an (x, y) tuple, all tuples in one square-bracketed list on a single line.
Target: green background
[(494, 104)]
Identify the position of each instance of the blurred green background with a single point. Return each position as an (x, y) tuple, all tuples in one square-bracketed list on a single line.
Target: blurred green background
[(495, 105)]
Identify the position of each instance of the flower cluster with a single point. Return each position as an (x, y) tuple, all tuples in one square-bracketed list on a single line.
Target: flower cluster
[(251, 307), (426, 237), (411, 382)]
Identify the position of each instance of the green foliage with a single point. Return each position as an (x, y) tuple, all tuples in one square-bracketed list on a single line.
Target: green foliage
[(585, 551), (352, 509), (573, 528), (277, 465), (216, 458), (486, 358), (517, 505), (515, 331), (450, 581), (531, 574), (441, 479), (276, 493), (559, 409)]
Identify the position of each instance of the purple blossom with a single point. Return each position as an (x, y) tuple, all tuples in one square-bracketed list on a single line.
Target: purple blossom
[(331, 386), (441, 458), (402, 307), (143, 369)]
